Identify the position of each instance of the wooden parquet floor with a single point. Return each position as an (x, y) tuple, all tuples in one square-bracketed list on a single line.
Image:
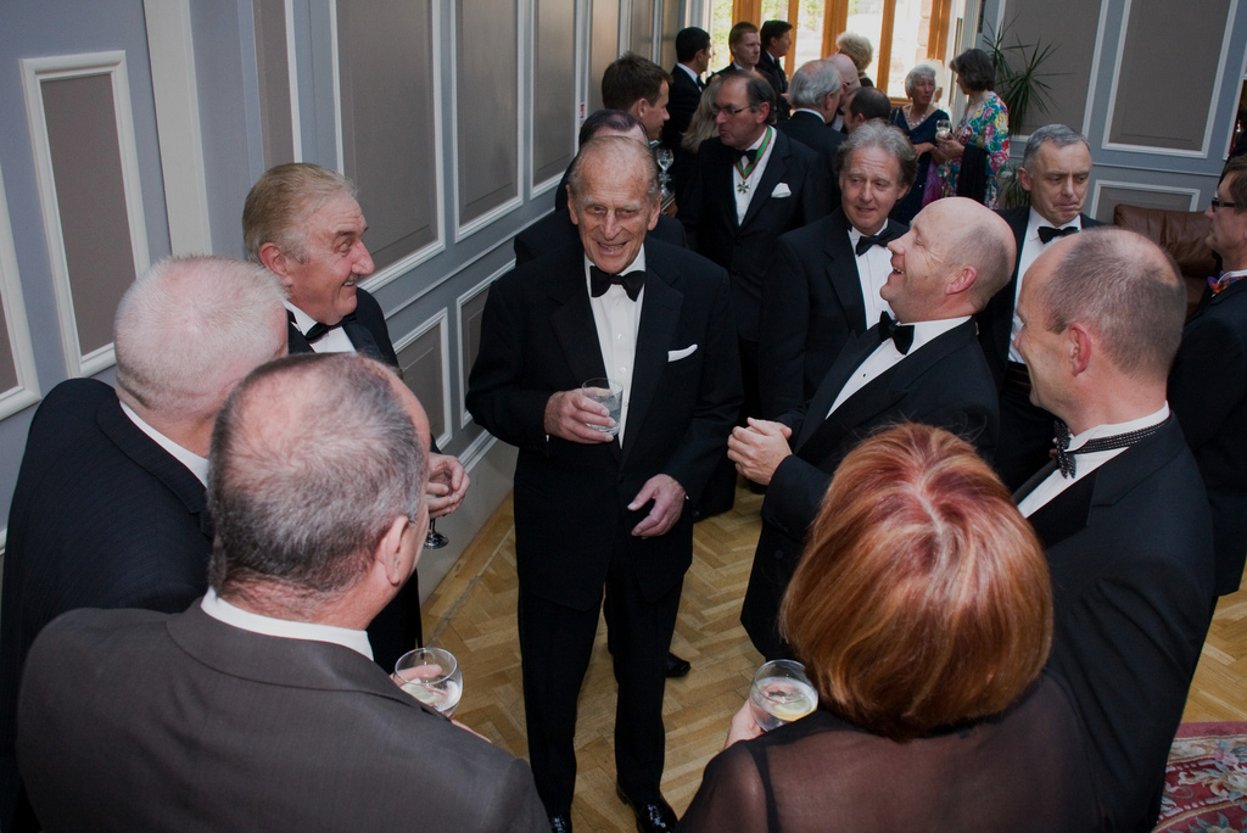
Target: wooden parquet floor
[(472, 612)]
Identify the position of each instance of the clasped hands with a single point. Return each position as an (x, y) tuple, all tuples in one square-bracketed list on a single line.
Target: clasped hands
[(570, 415), (758, 448), (448, 483)]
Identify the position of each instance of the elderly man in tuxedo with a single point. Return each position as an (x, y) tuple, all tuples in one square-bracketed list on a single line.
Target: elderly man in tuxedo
[(1121, 513), (601, 501), (304, 224), (109, 509), (815, 94), (823, 286), (1208, 385), (927, 368), (1055, 172), (850, 86), (268, 679)]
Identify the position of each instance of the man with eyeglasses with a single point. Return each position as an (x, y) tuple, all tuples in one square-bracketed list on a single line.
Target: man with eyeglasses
[(751, 184), (1208, 384), (1056, 170)]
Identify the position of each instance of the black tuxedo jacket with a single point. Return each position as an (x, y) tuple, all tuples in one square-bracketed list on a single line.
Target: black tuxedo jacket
[(812, 304), (996, 319), (772, 69), (944, 383), (190, 724), (538, 337), (811, 131), (1208, 394), (365, 328), (685, 95), (102, 516), (746, 249), (556, 231), (1130, 555)]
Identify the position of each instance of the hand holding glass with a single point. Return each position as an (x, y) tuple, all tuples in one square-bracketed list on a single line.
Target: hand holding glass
[(943, 130), (781, 693), (609, 393), (432, 676)]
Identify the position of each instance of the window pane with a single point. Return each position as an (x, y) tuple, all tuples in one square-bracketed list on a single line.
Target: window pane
[(910, 33), (809, 39), (866, 18)]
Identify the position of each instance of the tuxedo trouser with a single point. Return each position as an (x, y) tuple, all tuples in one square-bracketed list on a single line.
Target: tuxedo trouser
[(1025, 439), (556, 643)]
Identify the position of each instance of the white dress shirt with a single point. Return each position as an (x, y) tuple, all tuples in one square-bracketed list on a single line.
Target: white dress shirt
[(873, 267), (1032, 248), (198, 465), (755, 175), (617, 318), (1055, 483), (886, 356), (334, 341), (223, 611)]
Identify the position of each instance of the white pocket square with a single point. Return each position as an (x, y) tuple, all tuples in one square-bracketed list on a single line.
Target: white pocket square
[(781, 190), (684, 353)]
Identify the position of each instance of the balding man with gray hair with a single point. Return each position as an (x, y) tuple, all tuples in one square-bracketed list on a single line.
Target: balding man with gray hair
[(815, 94), (109, 508), (268, 678), (1121, 512)]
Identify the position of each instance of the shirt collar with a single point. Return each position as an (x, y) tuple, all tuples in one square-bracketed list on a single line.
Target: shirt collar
[(198, 465), (927, 331), (637, 264), (223, 611), (1036, 220), (302, 320), (1111, 430), (689, 71)]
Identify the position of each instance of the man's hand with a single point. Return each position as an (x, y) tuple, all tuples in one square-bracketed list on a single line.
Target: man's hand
[(743, 726), (668, 497), (758, 449), (569, 413), (448, 484)]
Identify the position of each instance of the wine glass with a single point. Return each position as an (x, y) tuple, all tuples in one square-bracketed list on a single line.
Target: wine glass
[(943, 130), (434, 540), (432, 676), (781, 693), (664, 157)]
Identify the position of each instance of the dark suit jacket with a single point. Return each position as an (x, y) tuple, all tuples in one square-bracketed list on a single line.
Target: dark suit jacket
[(811, 131), (1130, 555), (746, 249), (944, 383), (682, 103), (538, 337), (772, 69), (996, 319), (1208, 394), (398, 628), (102, 516), (133, 720), (812, 304), (556, 231)]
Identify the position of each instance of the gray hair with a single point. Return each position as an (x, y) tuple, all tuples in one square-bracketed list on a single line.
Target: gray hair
[(190, 327), (1058, 134), (280, 202), (857, 47), (921, 71), (313, 458), (813, 82), (622, 152), (887, 138), (1128, 291)]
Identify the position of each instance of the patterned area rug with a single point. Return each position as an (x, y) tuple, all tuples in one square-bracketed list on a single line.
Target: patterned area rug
[(1206, 780)]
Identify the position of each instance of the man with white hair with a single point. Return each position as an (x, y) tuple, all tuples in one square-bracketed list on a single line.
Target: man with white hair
[(815, 94), (850, 85), (109, 509)]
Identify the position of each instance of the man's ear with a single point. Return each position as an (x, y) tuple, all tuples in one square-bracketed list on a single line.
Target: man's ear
[(962, 281), (389, 552), (275, 260), (1024, 177), (1080, 347)]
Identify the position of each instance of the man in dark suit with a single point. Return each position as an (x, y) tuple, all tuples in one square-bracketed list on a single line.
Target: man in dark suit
[(823, 286), (303, 223), (850, 86), (639, 87), (930, 370), (556, 230), (1122, 513), (109, 509), (593, 509), (1208, 384), (1055, 170), (745, 45), (870, 104), (693, 53), (815, 95), (269, 678), (776, 37)]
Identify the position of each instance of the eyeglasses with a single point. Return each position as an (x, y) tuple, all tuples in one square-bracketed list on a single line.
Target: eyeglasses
[(1220, 203), (730, 111)]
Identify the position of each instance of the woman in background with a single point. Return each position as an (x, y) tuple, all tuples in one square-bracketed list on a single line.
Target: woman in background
[(979, 147), (700, 128), (917, 120), (860, 52), (922, 609)]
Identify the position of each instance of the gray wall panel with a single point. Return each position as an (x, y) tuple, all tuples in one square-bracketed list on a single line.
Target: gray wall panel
[(421, 362), (554, 88), (274, 81), (1111, 196), (1071, 26), (603, 46), (8, 370)]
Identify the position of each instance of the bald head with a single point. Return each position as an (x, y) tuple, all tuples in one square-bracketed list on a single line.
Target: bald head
[(983, 240), (366, 456), (849, 80)]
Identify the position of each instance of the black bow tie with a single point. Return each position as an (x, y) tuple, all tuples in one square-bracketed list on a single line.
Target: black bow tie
[(1065, 458), (751, 155), (902, 335), (318, 330), (600, 281), (867, 240), (1047, 233)]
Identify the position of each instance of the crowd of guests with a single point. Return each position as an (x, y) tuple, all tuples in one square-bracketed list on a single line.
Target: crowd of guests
[(1001, 633)]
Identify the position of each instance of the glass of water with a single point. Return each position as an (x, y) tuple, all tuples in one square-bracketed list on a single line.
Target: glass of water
[(609, 393), (943, 130), (432, 676), (781, 693)]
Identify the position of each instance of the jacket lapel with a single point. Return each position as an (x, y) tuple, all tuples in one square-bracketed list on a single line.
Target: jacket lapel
[(660, 313), (362, 339), (573, 325), (774, 172), (842, 274), (1067, 513)]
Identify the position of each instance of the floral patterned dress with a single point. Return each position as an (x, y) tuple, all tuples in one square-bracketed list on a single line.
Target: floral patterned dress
[(985, 125)]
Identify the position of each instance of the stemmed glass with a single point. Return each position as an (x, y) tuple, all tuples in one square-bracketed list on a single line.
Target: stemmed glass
[(943, 130), (664, 157), (781, 693), (434, 540), (432, 676)]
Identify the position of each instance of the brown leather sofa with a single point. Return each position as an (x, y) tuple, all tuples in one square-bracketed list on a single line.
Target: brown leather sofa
[(1181, 233)]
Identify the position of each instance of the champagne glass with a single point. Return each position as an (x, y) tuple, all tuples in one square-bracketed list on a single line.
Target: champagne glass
[(664, 157), (781, 693), (943, 130), (432, 676)]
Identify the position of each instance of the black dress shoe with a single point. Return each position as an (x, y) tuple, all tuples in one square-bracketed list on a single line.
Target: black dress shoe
[(651, 816), (677, 666), (561, 824)]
